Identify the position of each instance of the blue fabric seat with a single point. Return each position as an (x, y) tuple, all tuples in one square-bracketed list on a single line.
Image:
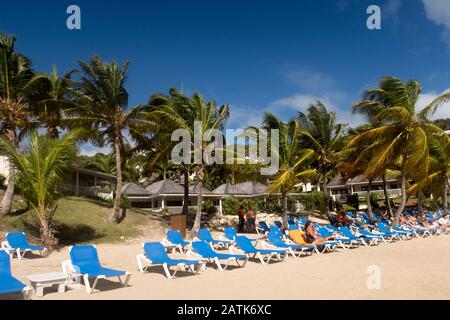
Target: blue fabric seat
[(156, 255), (264, 255), (85, 261), (17, 243), (231, 234), (295, 250), (204, 250), (205, 235), (8, 283)]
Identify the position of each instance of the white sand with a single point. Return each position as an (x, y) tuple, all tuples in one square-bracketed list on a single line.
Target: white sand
[(415, 269)]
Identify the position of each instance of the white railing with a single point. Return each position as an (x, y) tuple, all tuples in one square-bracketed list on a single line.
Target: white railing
[(88, 191), (391, 192)]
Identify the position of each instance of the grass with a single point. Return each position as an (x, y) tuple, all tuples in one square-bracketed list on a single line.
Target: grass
[(78, 220)]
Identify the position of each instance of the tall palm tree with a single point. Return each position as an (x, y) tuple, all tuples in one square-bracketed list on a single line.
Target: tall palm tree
[(439, 170), (401, 134), (15, 114), (292, 159), (209, 116), (321, 133), (103, 110), (40, 175), (52, 95)]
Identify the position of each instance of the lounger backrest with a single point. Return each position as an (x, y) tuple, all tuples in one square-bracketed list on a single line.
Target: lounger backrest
[(17, 239), (275, 239), (263, 225), (278, 224), (324, 232), (245, 244), (230, 233), (174, 236), (275, 229), (205, 235), (297, 237), (382, 227), (84, 256), (203, 248), (346, 232), (155, 252), (293, 227), (5, 263)]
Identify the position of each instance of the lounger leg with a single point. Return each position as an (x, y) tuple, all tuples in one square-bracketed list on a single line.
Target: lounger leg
[(167, 271), (26, 292), (261, 258), (219, 266), (87, 284), (127, 278), (140, 264), (19, 256)]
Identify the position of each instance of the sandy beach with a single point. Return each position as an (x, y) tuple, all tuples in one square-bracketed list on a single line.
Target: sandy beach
[(415, 269)]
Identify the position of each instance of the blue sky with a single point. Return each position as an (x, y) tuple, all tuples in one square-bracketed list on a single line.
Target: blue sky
[(256, 55)]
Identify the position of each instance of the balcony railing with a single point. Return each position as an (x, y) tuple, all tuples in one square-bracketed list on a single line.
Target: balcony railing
[(88, 191)]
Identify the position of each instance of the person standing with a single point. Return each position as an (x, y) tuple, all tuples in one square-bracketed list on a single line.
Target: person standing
[(251, 221), (241, 219)]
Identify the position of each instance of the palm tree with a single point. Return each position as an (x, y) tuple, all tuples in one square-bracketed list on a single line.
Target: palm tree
[(40, 175), (52, 95), (103, 163), (401, 134), (321, 133), (208, 116), (103, 110), (439, 170), (15, 114), (292, 159)]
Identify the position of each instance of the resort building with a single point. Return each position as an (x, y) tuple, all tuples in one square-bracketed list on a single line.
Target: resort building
[(339, 188), (80, 181)]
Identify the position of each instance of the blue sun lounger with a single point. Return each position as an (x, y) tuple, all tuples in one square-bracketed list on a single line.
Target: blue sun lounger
[(205, 235), (175, 239), (231, 234), (202, 250), (295, 250), (387, 233), (16, 242), (359, 240), (155, 255), (9, 284), (262, 227), (84, 261), (264, 255)]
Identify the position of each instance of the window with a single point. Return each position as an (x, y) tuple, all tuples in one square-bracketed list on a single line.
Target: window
[(174, 203)]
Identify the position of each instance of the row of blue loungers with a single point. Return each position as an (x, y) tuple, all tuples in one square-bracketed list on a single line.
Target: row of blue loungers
[(84, 261)]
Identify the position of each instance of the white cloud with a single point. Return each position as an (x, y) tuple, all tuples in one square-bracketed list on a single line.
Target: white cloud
[(89, 150), (443, 112), (243, 116), (438, 11)]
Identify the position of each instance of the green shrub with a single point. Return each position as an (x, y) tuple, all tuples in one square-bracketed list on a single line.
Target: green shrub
[(230, 205), (315, 200), (209, 207), (270, 205), (353, 201)]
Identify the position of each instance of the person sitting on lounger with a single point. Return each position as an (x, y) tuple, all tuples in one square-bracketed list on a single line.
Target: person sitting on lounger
[(311, 236)]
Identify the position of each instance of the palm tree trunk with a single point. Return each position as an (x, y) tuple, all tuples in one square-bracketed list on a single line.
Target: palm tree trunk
[(198, 217), (47, 233), (116, 214), (327, 198), (284, 196), (186, 190), (445, 195), (420, 202), (402, 188), (7, 200), (369, 205), (387, 200)]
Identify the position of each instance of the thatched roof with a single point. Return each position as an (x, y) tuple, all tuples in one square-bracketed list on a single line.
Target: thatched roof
[(243, 188), (172, 187), (133, 189)]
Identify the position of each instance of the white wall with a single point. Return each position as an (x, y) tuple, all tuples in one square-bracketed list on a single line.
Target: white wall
[(4, 170)]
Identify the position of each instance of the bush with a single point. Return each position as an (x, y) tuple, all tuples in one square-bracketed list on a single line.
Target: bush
[(270, 206), (353, 201), (230, 205), (315, 200), (209, 207)]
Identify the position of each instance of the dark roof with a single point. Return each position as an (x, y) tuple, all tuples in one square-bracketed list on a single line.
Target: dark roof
[(77, 167), (337, 181), (133, 189), (243, 188), (361, 179), (165, 187), (171, 187)]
